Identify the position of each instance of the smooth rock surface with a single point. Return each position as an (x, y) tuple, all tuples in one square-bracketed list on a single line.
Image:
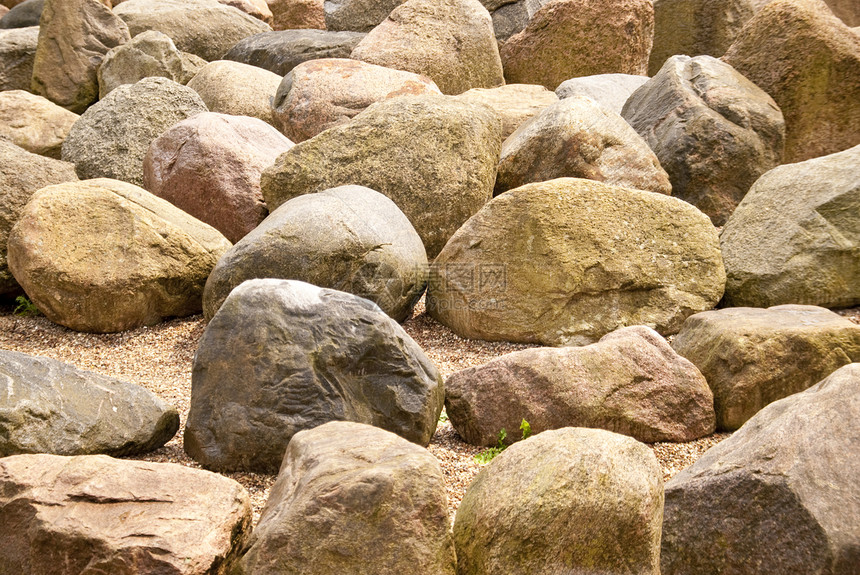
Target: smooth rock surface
[(714, 131), (515, 103), (564, 262), (280, 52), (337, 357), (608, 90), (795, 237), (752, 357), (435, 157), (237, 89), (111, 138), (95, 514), (47, 406), (136, 259), (259, 9), (209, 166), (350, 495), (297, 14), (572, 500), (349, 238), (17, 54), (780, 495), (34, 123), (23, 15), (357, 15), (578, 138)]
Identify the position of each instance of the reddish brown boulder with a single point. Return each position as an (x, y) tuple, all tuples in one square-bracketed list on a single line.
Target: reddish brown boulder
[(297, 14)]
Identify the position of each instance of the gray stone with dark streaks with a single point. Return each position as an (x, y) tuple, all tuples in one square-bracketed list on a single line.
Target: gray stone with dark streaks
[(280, 52)]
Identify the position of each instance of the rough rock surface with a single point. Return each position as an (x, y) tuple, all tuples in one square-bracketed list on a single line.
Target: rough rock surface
[(515, 103), (450, 41), (205, 28), (47, 406), (435, 157), (572, 500), (780, 495), (104, 256), (95, 514), (280, 52), (209, 166), (21, 175), (578, 138), (630, 382), (795, 237), (714, 131), (752, 357), (150, 53), (562, 40), (786, 49), (34, 123), (17, 53), (74, 36), (350, 238), (238, 89), (112, 137), (608, 90), (338, 358), (563, 263), (357, 15), (319, 94), (297, 14), (350, 495), (509, 20), (23, 15)]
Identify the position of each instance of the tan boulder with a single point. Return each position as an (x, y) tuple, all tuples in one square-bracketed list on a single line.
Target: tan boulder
[(237, 89), (256, 8), (34, 123), (515, 103), (297, 14)]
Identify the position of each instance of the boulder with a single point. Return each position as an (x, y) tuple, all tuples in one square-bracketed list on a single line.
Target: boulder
[(784, 49), (609, 90), (297, 14), (450, 41), (319, 94), (714, 131), (515, 103), (23, 15), (21, 175), (435, 157), (778, 496), (47, 406), (571, 500), (357, 15), (563, 40), (350, 239), (509, 20), (17, 53), (205, 28), (578, 138), (104, 256), (34, 123), (238, 89), (95, 514), (695, 28), (350, 495), (280, 52), (111, 138), (795, 237), (150, 53), (630, 382), (564, 262), (259, 9), (752, 357), (209, 166), (846, 10), (74, 36), (281, 356)]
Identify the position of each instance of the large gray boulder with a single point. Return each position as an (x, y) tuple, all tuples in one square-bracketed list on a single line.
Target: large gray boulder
[(111, 138), (34, 123), (237, 89), (17, 54), (205, 28), (751, 357), (47, 406), (103, 256), (21, 175), (349, 238), (95, 514), (280, 52), (714, 131), (281, 356), (435, 157), (357, 15), (629, 382), (608, 90), (515, 103), (348, 496), (572, 500), (23, 15), (564, 262), (795, 237), (578, 138), (779, 496)]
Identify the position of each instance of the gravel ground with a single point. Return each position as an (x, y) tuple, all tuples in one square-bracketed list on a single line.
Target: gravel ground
[(159, 358)]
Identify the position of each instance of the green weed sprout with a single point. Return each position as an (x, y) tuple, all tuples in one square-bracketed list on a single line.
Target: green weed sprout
[(487, 455), (25, 307)]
